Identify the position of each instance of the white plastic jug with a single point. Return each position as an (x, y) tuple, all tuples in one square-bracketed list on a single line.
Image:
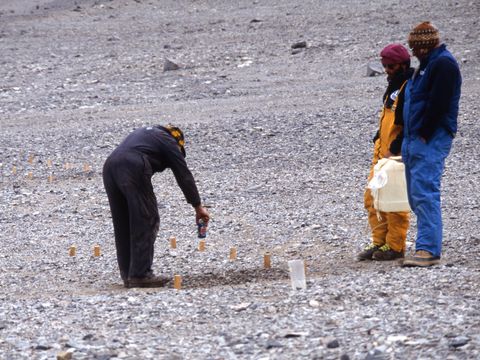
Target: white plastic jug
[(389, 186)]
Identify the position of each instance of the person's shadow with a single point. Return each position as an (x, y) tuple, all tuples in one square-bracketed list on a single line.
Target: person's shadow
[(212, 279), (232, 277)]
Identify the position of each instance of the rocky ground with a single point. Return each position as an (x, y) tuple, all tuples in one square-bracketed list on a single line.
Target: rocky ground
[(279, 140)]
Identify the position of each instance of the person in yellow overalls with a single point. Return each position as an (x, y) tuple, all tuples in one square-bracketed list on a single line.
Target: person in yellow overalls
[(389, 230)]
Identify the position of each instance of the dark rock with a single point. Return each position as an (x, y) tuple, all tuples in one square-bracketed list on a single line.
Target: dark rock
[(88, 337), (170, 65), (299, 45), (333, 344), (273, 344), (374, 68), (42, 347)]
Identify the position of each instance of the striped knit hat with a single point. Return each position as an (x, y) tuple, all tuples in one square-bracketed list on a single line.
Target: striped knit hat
[(423, 38)]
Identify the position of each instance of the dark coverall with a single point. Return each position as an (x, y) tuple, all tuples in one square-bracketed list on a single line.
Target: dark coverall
[(127, 174)]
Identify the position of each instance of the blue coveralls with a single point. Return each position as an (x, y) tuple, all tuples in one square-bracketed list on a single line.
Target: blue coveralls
[(424, 161)]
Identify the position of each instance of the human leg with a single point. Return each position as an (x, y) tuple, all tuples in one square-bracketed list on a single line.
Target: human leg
[(426, 168), (120, 219), (398, 223), (378, 228), (144, 224), (395, 243)]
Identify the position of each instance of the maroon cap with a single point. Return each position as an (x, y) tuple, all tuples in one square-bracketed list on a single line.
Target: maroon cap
[(394, 54)]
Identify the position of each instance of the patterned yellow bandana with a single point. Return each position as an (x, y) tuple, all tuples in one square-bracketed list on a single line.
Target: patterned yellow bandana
[(178, 136)]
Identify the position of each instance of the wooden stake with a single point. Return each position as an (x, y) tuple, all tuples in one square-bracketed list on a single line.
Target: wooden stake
[(30, 175), (72, 251), (30, 159), (50, 178), (49, 163), (96, 250), (266, 261), (233, 253), (173, 242), (65, 355), (177, 282), (14, 170), (201, 245)]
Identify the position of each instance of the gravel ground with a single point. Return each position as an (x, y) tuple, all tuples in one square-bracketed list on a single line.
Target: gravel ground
[(279, 140)]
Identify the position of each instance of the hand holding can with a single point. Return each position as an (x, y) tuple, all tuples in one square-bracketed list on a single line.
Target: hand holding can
[(202, 229), (202, 218)]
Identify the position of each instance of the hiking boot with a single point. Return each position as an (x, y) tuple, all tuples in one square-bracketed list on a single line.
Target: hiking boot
[(149, 281), (385, 253), (421, 258), (367, 253)]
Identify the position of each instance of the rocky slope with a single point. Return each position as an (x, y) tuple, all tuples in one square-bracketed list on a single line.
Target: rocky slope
[(279, 140)]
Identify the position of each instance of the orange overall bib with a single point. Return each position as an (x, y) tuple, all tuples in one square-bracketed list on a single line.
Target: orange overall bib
[(387, 227)]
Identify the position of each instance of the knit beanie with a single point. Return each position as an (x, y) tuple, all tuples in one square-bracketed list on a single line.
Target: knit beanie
[(423, 37), (394, 54)]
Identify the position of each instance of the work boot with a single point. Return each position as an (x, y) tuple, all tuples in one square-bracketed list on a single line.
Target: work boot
[(148, 281), (422, 258), (385, 253), (367, 253)]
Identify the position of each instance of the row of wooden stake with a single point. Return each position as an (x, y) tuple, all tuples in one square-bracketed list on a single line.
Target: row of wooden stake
[(67, 166), (177, 279), (72, 251), (233, 251)]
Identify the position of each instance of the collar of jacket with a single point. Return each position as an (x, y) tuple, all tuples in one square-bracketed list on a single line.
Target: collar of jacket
[(432, 56), (394, 84)]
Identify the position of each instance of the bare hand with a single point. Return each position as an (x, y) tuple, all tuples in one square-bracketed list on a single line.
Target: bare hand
[(201, 213)]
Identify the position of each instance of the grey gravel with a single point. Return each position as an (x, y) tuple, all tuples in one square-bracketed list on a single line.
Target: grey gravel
[(280, 145)]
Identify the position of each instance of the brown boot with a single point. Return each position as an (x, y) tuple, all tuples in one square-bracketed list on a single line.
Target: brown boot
[(385, 253), (149, 281), (422, 258)]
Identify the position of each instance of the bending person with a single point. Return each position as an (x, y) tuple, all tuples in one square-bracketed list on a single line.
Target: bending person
[(127, 174)]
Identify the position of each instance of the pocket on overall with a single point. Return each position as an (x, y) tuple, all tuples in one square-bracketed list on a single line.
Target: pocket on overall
[(442, 142)]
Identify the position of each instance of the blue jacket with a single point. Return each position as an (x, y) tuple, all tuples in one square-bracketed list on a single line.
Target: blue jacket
[(432, 95)]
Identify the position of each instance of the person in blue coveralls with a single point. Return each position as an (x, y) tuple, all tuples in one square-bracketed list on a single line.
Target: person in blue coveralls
[(430, 123)]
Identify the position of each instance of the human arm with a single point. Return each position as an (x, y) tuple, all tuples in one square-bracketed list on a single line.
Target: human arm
[(176, 162), (443, 78), (395, 145), (201, 213)]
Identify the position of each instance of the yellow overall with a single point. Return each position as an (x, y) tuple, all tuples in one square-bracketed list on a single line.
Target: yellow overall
[(387, 227)]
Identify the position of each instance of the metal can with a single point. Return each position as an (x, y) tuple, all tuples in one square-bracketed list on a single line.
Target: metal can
[(202, 229)]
